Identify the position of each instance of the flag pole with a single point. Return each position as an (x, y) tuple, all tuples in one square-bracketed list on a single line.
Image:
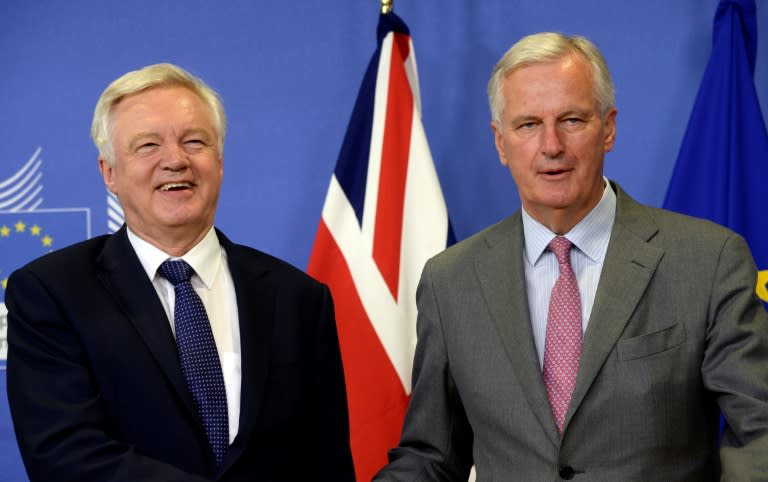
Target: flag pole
[(387, 6)]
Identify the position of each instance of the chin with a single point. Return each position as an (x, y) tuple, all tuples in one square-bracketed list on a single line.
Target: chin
[(558, 200), (178, 221)]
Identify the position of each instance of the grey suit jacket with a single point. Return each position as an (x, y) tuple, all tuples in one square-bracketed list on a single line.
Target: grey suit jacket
[(676, 333)]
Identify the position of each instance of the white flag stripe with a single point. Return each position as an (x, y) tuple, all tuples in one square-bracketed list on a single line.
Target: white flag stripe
[(412, 73), (425, 224), (377, 141), (425, 219), (424, 233), (339, 217)]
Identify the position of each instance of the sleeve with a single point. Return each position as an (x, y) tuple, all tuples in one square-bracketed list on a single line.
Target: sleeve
[(735, 365), (331, 456), (436, 443), (60, 425)]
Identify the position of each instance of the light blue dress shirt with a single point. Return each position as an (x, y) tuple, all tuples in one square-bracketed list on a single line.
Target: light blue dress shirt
[(590, 239)]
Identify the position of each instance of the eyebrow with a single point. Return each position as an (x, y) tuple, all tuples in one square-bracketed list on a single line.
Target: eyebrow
[(135, 140), (578, 112), (529, 118), (523, 119), (199, 131)]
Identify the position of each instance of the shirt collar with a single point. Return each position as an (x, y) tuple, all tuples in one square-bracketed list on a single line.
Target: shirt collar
[(590, 235), (205, 257)]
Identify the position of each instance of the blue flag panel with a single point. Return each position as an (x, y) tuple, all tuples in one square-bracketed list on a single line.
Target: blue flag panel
[(722, 169)]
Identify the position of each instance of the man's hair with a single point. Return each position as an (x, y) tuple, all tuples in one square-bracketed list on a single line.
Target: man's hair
[(150, 77), (547, 47)]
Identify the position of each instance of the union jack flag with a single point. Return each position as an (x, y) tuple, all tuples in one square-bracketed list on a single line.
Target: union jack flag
[(383, 217)]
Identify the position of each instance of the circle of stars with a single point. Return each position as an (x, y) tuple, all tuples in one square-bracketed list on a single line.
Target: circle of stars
[(20, 227)]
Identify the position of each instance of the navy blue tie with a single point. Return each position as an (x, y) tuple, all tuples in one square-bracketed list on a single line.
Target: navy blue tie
[(199, 358)]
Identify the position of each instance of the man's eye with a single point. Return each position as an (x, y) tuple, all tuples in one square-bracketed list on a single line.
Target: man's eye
[(194, 143), (147, 146), (573, 121)]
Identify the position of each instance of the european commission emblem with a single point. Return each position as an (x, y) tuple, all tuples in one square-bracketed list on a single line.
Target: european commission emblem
[(28, 231)]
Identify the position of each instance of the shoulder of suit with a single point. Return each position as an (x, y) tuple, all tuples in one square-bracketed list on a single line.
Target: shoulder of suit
[(468, 248), (670, 224), (79, 252), (681, 228), (257, 259)]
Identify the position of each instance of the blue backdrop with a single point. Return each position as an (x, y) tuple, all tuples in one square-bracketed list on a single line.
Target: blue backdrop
[(288, 73)]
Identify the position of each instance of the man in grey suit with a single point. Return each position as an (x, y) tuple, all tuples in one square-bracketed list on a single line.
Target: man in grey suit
[(609, 362)]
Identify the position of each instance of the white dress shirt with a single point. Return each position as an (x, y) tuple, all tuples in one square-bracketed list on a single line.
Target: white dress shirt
[(590, 239), (212, 281)]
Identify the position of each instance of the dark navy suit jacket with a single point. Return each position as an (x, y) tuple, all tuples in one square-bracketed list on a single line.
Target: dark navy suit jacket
[(96, 390)]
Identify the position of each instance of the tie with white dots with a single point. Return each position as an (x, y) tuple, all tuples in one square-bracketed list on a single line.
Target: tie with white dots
[(562, 347), (199, 358)]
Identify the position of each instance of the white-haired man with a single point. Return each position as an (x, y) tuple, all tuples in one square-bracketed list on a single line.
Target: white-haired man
[(585, 337), (166, 352)]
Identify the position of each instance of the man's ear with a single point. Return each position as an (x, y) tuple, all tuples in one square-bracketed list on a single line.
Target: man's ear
[(498, 142), (610, 130), (108, 174)]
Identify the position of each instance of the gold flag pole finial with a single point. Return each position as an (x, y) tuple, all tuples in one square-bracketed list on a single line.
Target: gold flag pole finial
[(386, 6)]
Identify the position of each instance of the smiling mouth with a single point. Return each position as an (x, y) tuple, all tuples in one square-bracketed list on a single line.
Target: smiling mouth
[(175, 186), (555, 172)]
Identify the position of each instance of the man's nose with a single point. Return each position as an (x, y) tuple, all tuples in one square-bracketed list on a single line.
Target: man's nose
[(174, 157), (552, 144)]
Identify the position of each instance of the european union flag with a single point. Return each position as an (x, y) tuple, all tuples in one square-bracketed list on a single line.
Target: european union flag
[(722, 169), (26, 235)]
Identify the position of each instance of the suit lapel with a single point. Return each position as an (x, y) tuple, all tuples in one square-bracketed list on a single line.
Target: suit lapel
[(502, 279), (256, 297), (630, 263), (122, 274)]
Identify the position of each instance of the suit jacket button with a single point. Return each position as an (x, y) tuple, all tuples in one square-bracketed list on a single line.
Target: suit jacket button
[(566, 472)]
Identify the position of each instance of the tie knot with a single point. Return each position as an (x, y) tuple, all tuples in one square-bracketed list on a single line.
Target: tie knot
[(176, 272), (562, 249)]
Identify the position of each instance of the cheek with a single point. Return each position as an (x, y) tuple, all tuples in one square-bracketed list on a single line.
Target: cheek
[(520, 172), (209, 168), (522, 156)]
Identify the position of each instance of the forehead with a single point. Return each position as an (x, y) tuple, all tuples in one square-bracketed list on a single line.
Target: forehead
[(567, 79), (161, 104)]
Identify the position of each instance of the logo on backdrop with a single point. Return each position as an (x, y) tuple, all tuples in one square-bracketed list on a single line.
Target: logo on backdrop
[(28, 229), (115, 215)]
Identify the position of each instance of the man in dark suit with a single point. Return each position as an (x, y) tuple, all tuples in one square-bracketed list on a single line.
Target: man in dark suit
[(585, 337), (119, 371)]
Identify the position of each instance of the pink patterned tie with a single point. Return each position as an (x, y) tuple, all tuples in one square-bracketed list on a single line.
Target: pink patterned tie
[(562, 348)]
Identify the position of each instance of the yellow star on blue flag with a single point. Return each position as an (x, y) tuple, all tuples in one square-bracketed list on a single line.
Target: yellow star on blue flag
[(26, 235)]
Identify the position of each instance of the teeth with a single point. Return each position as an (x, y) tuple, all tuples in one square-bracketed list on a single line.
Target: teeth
[(174, 185)]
